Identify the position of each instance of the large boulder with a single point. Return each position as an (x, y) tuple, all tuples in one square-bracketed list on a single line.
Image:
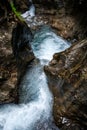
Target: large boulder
[(67, 78)]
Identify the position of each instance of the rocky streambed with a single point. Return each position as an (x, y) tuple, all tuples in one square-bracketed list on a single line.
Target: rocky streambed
[(66, 73)]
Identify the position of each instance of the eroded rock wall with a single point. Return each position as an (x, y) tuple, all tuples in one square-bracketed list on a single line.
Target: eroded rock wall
[(67, 78), (12, 67)]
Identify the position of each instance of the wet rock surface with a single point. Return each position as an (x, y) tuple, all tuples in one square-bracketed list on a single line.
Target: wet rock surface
[(11, 65), (65, 25), (22, 5), (8, 79), (50, 3), (21, 47), (8, 69), (46, 126), (68, 70)]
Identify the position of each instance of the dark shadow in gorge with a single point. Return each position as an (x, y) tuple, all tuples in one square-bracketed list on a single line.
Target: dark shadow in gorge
[(78, 9)]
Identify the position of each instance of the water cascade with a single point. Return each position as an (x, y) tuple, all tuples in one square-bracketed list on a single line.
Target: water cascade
[(31, 12), (34, 111)]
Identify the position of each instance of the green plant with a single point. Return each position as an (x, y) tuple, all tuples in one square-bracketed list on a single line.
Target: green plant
[(17, 14)]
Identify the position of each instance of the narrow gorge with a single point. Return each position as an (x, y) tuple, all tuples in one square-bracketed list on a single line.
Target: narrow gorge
[(44, 66)]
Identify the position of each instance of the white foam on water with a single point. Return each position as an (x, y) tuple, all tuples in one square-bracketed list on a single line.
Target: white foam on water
[(48, 44), (30, 13), (35, 101)]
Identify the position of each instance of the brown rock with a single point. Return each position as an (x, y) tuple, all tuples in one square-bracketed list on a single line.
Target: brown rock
[(67, 78), (22, 5), (8, 79), (21, 38), (10, 67)]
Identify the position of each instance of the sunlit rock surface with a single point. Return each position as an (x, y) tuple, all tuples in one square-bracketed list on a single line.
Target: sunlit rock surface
[(67, 78)]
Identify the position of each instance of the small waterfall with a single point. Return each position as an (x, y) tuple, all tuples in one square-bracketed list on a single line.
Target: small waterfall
[(34, 111), (48, 44), (31, 12)]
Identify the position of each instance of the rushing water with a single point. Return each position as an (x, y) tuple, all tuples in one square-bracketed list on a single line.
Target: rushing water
[(31, 12), (35, 101)]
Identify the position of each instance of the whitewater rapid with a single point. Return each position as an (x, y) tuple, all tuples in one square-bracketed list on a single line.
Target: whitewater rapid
[(35, 99)]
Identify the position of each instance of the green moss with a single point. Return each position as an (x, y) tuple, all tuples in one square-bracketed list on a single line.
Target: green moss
[(17, 14)]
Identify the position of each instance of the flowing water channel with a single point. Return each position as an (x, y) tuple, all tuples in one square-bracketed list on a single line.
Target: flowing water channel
[(34, 111)]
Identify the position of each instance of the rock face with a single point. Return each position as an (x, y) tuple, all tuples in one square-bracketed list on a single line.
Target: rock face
[(67, 78), (8, 79), (8, 69), (78, 9), (50, 3), (22, 5), (21, 47), (12, 67)]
